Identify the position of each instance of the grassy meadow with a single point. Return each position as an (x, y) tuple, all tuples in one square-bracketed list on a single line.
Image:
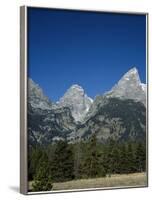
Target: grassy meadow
[(117, 180)]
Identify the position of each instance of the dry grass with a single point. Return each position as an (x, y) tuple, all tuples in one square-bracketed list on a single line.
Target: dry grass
[(136, 179)]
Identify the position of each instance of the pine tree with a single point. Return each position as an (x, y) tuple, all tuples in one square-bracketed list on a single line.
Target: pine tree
[(130, 158), (42, 179), (62, 165), (78, 150), (34, 155), (93, 166), (108, 156), (115, 160), (141, 157), (123, 159)]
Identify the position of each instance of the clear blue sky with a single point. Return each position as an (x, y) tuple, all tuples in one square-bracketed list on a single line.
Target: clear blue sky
[(90, 49)]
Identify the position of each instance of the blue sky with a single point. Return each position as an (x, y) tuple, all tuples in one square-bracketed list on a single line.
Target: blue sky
[(90, 49)]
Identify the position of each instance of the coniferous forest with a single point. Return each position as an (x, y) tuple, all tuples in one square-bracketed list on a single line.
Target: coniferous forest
[(61, 161)]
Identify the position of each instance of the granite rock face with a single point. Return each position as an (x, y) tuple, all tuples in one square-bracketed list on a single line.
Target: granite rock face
[(77, 100), (129, 87), (36, 97), (113, 118)]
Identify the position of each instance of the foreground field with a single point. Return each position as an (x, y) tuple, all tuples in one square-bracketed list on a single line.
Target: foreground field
[(136, 179)]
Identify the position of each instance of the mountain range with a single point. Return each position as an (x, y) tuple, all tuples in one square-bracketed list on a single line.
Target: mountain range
[(119, 114)]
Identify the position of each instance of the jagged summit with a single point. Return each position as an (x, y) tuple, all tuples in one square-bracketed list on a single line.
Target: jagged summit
[(76, 86), (36, 97), (77, 100), (129, 87), (133, 70), (132, 73)]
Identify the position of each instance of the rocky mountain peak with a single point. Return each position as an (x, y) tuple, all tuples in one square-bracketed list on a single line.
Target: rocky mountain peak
[(131, 75), (129, 87), (36, 97), (76, 87), (77, 100), (133, 70)]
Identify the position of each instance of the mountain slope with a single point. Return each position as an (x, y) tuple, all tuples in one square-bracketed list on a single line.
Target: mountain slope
[(46, 126), (46, 121), (113, 118), (36, 97)]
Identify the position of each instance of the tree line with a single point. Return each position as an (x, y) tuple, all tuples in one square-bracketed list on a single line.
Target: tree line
[(60, 161)]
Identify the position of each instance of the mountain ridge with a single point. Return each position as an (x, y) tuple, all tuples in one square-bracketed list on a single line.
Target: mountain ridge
[(76, 116)]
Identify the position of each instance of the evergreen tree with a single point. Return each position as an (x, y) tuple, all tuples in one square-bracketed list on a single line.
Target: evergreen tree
[(141, 157), (123, 159), (42, 179), (78, 150), (34, 155), (131, 166), (108, 156), (62, 165), (93, 166), (115, 160)]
